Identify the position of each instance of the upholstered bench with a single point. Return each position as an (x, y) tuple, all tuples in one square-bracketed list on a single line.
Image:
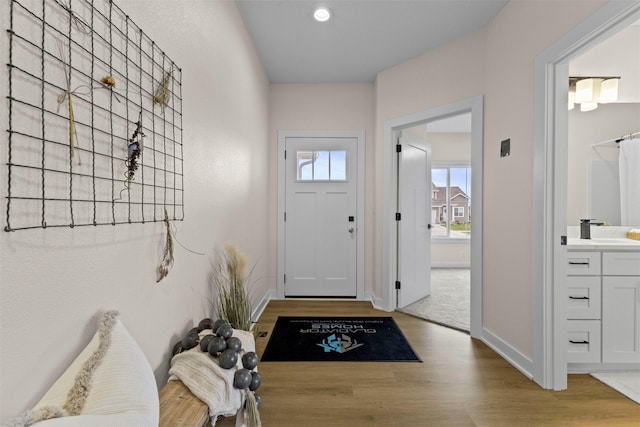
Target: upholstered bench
[(180, 408)]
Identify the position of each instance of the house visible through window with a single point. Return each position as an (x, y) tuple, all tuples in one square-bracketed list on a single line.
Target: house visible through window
[(322, 165), (451, 201)]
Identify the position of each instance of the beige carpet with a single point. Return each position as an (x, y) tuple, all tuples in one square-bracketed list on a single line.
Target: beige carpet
[(449, 302)]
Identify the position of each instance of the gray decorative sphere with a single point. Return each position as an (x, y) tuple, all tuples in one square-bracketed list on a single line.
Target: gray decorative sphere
[(242, 378), (190, 341), (228, 359), (219, 323), (256, 380), (224, 331), (216, 345), (204, 342), (205, 324), (258, 400), (234, 343), (250, 360)]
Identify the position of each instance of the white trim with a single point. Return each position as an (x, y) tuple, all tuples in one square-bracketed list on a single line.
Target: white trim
[(257, 312), (587, 368), (510, 354), (549, 185), (450, 265), (475, 106), (360, 219), (375, 302)]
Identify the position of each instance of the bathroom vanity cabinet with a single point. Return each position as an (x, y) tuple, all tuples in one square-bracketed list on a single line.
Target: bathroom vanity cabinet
[(603, 308)]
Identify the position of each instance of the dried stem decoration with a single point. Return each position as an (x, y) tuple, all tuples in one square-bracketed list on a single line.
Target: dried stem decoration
[(67, 95), (134, 150), (230, 280), (167, 259), (109, 82), (163, 95), (80, 24)]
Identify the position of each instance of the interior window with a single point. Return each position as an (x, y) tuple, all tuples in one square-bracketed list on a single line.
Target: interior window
[(451, 201)]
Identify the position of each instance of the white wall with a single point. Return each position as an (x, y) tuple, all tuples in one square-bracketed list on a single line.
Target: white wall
[(55, 283), (514, 38), (607, 122), (324, 107), (439, 77), (497, 62)]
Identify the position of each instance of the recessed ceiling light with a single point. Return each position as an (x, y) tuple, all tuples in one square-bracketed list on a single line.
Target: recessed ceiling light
[(322, 14)]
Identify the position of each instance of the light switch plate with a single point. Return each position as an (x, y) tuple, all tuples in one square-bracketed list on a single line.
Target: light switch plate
[(505, 148)]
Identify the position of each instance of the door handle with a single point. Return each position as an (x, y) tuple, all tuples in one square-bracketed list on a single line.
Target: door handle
[(351, 230)]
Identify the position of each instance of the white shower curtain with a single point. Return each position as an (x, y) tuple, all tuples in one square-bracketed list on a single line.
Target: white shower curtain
[(629, 160)]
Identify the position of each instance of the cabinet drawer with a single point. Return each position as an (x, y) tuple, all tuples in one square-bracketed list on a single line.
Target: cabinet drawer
[(583, 263), (584, 341), (583, 297), (621, 263)]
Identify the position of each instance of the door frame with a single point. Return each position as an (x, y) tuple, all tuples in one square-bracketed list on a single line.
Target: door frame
[(389, 193), (360, 219), (550, 157)]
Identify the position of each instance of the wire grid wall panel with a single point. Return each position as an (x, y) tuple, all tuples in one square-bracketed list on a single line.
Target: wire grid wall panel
[(86, 88)]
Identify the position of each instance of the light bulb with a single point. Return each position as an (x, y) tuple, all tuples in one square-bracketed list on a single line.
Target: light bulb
[(588, 90), (322, 14), (588, 106), (609, 90)]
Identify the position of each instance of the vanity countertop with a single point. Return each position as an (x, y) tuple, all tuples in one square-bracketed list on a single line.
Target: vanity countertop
[(606, 243)]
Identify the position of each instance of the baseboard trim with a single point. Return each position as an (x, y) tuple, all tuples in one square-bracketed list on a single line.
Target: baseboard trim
[(377, 303), (450, 265), (587, 368), (508, 353), (257, 312)]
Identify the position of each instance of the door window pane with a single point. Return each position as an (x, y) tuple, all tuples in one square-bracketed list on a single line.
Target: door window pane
[(338, 165), (322, 165), (305, 165)]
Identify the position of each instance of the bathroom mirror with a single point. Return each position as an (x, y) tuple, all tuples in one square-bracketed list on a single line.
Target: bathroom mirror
[(593, 174)]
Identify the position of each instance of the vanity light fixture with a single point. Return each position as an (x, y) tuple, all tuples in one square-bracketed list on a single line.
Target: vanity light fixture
[(588, 90), (322, 14), (588, 106), (591, 91), (609, 90), (572, 97)]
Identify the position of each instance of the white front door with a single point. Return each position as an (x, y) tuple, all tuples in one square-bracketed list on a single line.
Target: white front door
[(320, 223), (414, 231)]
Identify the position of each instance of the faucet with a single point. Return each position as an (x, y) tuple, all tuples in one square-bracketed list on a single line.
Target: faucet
[(585, 228)]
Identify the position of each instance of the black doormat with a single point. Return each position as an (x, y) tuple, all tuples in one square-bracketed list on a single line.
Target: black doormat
[(331, 339)]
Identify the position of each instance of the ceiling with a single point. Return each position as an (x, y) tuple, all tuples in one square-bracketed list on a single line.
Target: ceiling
[(363, 38)]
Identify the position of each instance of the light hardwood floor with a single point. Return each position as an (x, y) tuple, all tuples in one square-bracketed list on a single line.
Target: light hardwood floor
[(462, 382)]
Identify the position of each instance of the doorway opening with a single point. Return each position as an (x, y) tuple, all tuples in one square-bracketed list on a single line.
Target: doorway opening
[(450, 215), (474, 108), (550, 186)]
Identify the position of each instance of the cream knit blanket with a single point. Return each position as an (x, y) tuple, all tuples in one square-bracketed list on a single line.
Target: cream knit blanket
[(212, 384)]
